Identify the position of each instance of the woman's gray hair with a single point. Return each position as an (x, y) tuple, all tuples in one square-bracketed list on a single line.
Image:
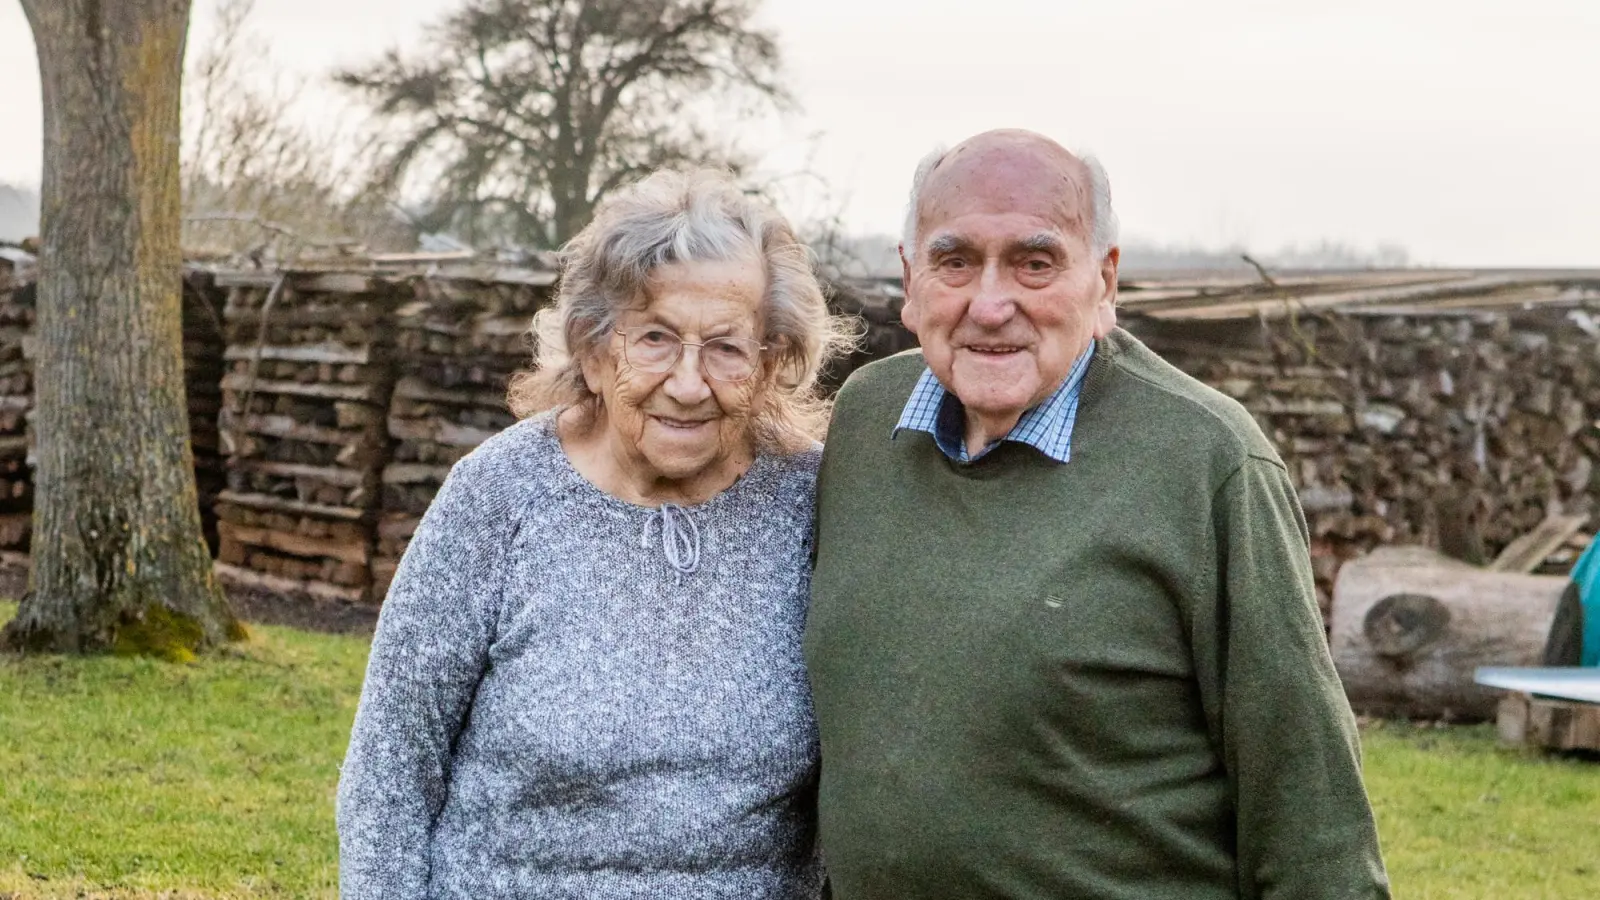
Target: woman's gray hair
[(672, 217), (1103, 227)]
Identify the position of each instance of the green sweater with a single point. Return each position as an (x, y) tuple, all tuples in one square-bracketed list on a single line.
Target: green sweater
[(1103, 679)]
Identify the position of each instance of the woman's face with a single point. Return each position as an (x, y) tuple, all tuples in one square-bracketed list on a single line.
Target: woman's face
[(681, 426)]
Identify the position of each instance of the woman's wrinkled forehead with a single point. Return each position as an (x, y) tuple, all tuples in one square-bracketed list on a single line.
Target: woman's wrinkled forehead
[(704, 294)]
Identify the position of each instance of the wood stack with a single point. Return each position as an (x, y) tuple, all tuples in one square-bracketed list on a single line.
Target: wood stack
[(875, 308), (1450, 409), (203, 370), (459, 341), (17, 297), (302, 428), (1457, 428)]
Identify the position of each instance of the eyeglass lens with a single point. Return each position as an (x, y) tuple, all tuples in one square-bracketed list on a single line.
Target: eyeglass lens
[(658, 350)]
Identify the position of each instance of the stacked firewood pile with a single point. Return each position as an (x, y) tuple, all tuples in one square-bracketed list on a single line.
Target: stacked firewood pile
[(1460, 430), (16, 399), (459, 342), (1456, 410), (203, 369), (303, 430), (874, 307)]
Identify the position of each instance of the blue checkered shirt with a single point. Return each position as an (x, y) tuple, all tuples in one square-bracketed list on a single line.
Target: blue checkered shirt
[(1046, 427)]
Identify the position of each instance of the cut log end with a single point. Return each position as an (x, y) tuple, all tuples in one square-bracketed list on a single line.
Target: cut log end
[(1401, 624)]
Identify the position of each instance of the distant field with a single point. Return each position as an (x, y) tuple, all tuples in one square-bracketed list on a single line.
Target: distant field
[(125, 778)]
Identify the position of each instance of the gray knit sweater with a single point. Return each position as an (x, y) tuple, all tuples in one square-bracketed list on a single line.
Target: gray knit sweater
[(553, 709)]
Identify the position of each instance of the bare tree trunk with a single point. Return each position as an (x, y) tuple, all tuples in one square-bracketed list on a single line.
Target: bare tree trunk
[(118, 559), (572, 211)]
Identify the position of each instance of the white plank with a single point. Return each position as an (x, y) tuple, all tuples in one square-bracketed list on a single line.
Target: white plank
[(1566, 682)]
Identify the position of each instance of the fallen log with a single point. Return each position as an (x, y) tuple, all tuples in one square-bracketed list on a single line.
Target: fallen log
[(1410, 627)]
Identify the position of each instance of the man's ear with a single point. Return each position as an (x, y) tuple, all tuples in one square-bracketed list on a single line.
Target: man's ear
[(910, 310), (1105, 311)]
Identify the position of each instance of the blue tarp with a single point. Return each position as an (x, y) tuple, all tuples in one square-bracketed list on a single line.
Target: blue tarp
[(1587, 575)]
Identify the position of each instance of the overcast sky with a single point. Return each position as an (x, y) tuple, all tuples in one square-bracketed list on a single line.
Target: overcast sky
[(1467, 131)]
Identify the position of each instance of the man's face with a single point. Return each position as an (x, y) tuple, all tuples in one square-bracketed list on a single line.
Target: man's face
[(1003, 290)]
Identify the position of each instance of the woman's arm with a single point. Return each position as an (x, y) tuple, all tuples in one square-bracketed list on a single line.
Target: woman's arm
[(428, 654)]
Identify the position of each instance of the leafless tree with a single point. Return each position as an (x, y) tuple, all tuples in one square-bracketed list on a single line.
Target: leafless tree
[(518, 116), (255, 179)]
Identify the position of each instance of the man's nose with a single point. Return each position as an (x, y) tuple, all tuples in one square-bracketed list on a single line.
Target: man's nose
[(994, 301), (686, 383)]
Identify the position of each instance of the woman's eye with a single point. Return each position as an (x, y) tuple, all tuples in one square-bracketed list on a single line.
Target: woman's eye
[(655, 337), (726, 348)]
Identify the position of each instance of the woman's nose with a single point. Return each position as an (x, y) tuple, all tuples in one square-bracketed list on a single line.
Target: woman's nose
[(686, 383)]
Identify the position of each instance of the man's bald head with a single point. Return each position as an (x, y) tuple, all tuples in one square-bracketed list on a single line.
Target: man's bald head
[(1006, 166)]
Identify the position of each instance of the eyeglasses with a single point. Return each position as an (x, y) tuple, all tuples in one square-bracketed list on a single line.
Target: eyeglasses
[(650, 348)]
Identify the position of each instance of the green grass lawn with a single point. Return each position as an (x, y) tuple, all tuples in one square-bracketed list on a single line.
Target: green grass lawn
[(1461, 818), (216, 778), (130, 778)]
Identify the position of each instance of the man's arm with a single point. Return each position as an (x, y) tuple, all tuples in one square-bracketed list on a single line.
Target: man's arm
[(1289, 742)]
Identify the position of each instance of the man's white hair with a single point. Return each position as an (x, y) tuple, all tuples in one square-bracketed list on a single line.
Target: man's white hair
[(1103, 225)]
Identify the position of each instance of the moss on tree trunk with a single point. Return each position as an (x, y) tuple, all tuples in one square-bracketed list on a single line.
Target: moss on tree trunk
[(118, 559)]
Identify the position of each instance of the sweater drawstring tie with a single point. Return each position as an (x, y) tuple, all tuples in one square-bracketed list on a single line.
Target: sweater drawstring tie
[(680, 537)]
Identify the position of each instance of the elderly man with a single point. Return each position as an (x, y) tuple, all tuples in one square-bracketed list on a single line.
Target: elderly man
[(1063, 638)]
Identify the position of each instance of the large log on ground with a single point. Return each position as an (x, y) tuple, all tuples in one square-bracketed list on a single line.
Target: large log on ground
[(1410, 626)]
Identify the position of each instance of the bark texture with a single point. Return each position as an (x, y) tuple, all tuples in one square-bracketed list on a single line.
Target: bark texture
[(118, 561)]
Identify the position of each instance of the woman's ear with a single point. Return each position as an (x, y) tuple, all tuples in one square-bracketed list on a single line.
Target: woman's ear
[(781, 367), (593, 369)]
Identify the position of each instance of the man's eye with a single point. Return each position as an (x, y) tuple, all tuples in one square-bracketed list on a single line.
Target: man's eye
[(952, 262), (1038, 265)]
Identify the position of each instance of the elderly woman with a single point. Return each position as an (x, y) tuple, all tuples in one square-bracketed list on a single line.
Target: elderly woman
[(586, 681)]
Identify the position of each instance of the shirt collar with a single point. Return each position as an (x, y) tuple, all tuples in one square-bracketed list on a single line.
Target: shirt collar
[(1046, 427)]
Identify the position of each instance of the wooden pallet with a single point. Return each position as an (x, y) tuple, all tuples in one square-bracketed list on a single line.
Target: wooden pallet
[(1528, 721)]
